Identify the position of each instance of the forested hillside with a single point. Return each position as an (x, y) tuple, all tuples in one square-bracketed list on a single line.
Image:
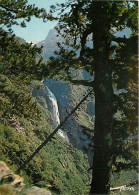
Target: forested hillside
[(100, 154)]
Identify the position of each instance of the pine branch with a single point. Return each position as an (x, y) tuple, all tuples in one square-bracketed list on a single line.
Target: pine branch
[(82, 82), (9, 9), (83, 40), (119, 39)]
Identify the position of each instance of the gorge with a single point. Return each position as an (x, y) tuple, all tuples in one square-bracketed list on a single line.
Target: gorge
[(59, 97)]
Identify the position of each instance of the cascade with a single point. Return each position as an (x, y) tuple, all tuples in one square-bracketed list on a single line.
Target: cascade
[(55, 112)]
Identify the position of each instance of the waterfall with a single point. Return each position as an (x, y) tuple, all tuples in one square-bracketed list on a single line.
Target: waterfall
[(55, 112)]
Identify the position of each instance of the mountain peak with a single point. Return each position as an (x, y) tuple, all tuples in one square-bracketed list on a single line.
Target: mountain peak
[(33, 42)]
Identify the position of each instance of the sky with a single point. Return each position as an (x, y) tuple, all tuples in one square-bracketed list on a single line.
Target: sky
[(36, 29)]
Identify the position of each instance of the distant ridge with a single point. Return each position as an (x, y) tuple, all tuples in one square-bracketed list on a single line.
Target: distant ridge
[(50, 43)]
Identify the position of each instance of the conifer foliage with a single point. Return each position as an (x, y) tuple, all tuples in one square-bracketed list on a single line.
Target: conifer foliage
[(11, 10), (19, 59), (89, 29), (111, 61), (24, 123)]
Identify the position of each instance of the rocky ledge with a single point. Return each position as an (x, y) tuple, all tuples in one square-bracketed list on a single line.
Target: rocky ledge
[(13, 184)]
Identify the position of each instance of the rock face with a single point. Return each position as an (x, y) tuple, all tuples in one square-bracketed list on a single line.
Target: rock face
[(41, 95), (7, 175), (79, 128), (67, 97), (13, 184), (49, 44)]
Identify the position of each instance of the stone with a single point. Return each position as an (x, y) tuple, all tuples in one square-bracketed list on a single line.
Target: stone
[(34, 190), (13, 184), (7, 176)]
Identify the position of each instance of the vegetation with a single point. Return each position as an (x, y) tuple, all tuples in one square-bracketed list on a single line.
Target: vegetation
[(20, 59), (24, 123), (112, 61), (12, 10)]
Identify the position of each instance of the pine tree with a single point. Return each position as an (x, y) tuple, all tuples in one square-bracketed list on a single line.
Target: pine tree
[(112, 61), (18, 59)]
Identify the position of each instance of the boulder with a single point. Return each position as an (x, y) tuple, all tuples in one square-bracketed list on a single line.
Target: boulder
[(6, 175)]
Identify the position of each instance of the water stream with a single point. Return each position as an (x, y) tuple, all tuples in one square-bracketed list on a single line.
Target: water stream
[(55, 112)]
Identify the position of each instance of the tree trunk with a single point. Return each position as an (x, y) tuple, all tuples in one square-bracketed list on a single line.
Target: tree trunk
[(102, 160)]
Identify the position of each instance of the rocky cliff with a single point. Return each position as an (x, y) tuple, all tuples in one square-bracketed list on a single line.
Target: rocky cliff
[(79, 128), (50, 44)]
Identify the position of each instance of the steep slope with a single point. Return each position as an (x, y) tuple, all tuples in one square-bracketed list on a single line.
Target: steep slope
[(67, 97), (24, 124)]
